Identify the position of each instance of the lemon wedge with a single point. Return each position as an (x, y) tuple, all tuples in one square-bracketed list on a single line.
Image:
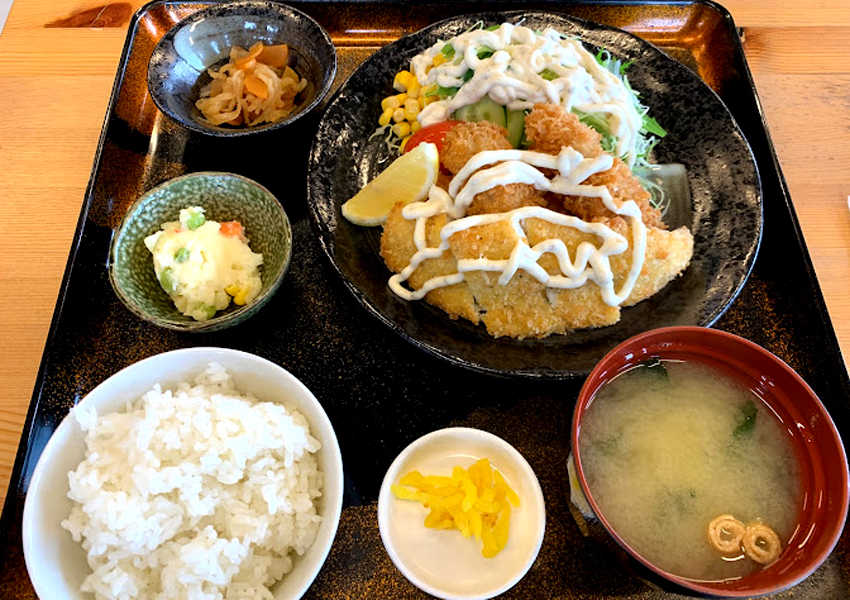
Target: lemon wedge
[(408, 179)]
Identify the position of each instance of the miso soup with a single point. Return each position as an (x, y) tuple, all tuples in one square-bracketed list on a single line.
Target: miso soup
[(667, 448)]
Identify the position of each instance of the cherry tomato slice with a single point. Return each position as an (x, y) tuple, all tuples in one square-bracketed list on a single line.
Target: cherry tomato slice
[(435, 134)]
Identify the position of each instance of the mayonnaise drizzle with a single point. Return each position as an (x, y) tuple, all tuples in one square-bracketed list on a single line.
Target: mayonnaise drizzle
[(512, 77), (490, 169)]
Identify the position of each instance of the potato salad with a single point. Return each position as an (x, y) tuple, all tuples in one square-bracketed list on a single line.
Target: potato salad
[(204, 265)]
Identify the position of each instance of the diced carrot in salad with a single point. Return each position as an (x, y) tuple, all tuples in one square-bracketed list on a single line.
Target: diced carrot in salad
[(231, 229)]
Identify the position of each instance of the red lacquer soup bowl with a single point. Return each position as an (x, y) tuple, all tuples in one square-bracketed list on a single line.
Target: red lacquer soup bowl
[(815, 441)]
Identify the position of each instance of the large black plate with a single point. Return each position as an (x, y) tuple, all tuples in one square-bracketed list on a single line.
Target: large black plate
[(726, 215)]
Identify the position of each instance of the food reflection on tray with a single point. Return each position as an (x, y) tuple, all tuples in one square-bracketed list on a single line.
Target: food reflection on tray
[(516, 187)]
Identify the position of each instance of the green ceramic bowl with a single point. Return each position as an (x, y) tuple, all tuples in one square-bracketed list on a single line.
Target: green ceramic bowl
[(225, 197)]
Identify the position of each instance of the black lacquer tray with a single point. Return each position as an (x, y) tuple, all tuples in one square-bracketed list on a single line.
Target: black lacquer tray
[(380, 391)]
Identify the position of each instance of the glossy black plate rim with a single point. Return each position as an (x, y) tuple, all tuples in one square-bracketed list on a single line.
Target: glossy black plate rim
[(572, 355)]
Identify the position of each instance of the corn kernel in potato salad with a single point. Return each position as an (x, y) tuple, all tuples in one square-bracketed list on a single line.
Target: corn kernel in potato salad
[(476, 501)]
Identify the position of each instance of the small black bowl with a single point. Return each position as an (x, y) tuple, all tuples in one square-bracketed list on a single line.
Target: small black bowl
[(179, 63)]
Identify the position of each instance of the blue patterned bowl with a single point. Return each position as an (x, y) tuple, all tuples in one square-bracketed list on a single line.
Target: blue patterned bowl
[(225, 197), (179, 63)]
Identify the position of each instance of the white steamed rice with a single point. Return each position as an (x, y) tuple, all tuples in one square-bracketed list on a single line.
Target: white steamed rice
[(199, 493)]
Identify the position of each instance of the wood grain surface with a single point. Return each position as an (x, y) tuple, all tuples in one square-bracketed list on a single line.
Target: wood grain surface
[(57, 65)]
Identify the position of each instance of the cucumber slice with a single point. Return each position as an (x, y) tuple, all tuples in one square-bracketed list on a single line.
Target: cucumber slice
[(515, 120), (483, 110)]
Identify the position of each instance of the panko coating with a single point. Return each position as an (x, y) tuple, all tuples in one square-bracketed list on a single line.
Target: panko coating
[(523, 306), (465, 140), (549, 127)]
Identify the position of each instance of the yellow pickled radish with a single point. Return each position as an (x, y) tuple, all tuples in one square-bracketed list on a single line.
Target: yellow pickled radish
[(408, 179), (475, 501)]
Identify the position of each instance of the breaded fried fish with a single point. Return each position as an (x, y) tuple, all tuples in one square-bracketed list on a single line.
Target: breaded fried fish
[(525, 260), (550, 127), (465, 140), (524, 307)]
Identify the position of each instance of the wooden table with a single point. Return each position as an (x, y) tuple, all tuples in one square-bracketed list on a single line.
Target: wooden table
[(57, 65)]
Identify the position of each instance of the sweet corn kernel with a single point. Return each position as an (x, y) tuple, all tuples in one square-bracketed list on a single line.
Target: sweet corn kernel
[(403, 144), (430, 99), (421, 101), (439, 59), (402, 98), (411, 109), (386, 117), (398, 115), (402, 80), (415, 126), (413, 88), (240, 298), (232, 289), (390, 102), (402, 129)]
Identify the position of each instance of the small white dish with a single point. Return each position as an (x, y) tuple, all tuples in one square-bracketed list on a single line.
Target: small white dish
[(442, 562), (57, 565)]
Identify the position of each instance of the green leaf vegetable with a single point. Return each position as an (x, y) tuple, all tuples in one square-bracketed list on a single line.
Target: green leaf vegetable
[(448, 51), (746, 420), (548, 74), (656, 368), (442, 92), (649, 134)]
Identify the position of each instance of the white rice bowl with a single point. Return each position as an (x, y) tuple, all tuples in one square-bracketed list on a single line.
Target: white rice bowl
[(196, 491)]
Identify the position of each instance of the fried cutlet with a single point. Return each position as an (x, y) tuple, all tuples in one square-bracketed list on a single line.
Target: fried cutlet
[(667, 253), (623, 186), (524, 307), (505, 198), (549, 127), (465, 140), (397, 248)]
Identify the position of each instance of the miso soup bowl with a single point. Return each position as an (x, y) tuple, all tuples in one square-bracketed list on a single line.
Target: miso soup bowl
[(816, 444)]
